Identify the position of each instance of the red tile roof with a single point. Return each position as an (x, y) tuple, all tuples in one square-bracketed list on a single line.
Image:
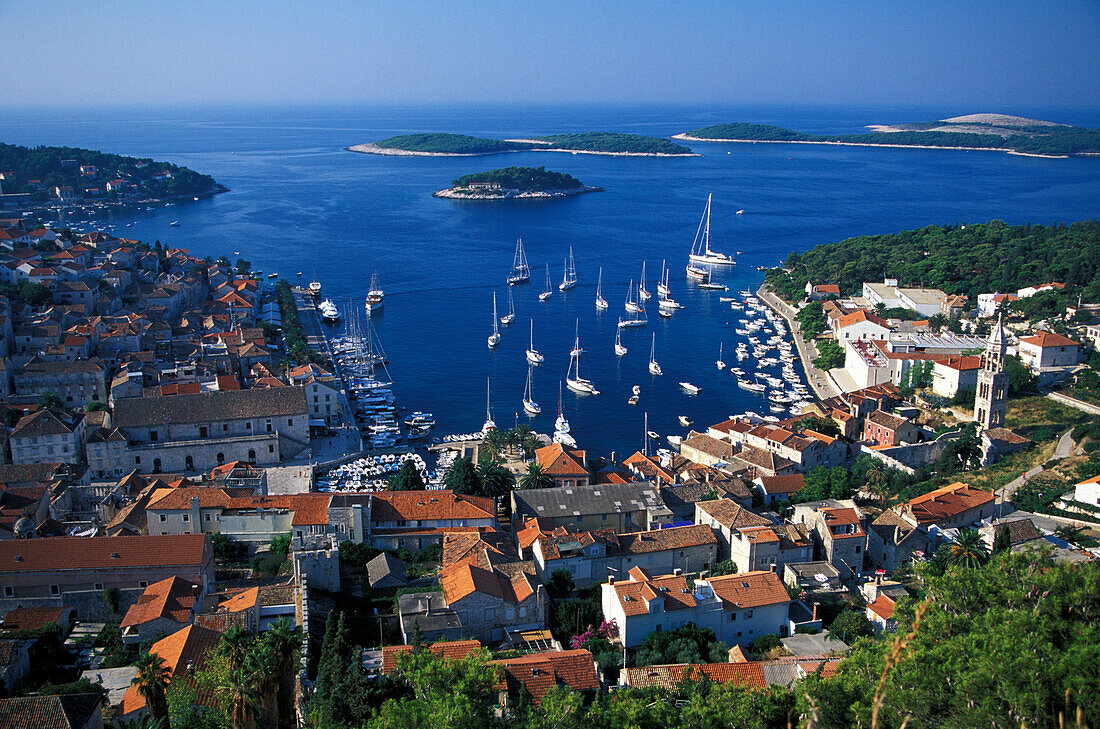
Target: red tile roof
[(785, 484), (670, 676), (962, 363), (462, 580), (429, 506), (749, 590), (558, 461), (946, 502), (452, 650), (537, 674), (1048, 339), (883, 607), (172, 598), (33, 618), (83, 553), (184, 652)]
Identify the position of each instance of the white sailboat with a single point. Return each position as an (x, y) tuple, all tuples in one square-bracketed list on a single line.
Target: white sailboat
[(573, 379), (561, 427), (631, 305), (701, 252), (375, 295), (601, 303), (721, 363), (529, 405), (511, 315), (533, 355), (662, 283), (577, 349), (494, 338), (620, 350), (489, 424), (643, 292), (708, 283), (549, 288), (638, 316), (654, 368), (521, 272), (690, 388), (569, 277)]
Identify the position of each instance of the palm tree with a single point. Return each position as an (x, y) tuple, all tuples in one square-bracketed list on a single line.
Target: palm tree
[(492, 442), (878, 483), (511, 438), (496, 480), (152, 678), (536, 478), (285, 640), (140, 722), (968, 550), (240, 688), (261, 667), (234, 646)]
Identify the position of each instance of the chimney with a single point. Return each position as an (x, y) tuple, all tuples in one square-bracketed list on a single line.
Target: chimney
[(816, 604), (677, 571)]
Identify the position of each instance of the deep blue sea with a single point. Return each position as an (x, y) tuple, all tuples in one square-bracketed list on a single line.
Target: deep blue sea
[(299, 202)]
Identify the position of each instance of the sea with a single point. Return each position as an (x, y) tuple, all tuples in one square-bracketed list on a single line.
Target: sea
[(299, 204)]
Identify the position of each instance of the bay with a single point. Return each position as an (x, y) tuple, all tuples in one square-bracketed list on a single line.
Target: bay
[(299, 202)]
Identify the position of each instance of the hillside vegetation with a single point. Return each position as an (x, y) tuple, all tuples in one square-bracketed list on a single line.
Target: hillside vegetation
[(606, 142), (960, 259), (522, 178), (45, 164), (1048, 140), (614, 142), (439, 143)]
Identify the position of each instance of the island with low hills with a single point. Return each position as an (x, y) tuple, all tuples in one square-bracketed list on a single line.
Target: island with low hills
[(515, 183), (63, 176), (439, 144), (1001, 132)]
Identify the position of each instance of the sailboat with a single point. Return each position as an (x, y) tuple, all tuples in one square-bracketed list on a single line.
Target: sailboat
[(375, 295), (521, 272), (577, 349), (529, 404), (708, 283), (643, 292), (700, 248), (649, 434), (511, 315), (635, 307), (489, 424), (549, 289), (620, 350), (533, 355), (662, 283), (721, 363), (494, 338), (569, 278), (601, 303), (573, 379), (561, 427), (654, 368)]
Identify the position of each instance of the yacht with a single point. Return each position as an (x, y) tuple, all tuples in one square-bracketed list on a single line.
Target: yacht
[(701, 252), (685, 421), (620, 350), (511, 315), (573, 379), (601, 302), (521, 272), (329, 313), (643, 292), (654, 368), (533, 355), (549, 289), (375, 295), (315, 286), (690, 388), (494, 338), (489, 424), (569, 278), (529, 405), (721, 363)]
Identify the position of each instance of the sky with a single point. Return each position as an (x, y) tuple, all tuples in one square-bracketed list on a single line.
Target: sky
[(986, 54)]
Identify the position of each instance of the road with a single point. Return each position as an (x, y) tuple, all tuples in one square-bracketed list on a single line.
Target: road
[(1064, 449), (818, 380)]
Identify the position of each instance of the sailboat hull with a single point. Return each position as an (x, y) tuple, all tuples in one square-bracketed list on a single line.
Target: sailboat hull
[(519, 279), (493, 340), (566, 285), (535, 357), (583, 387), (601, 304), (531, 407), (545, 295), (624, 323), (620, 350), (718, 259)]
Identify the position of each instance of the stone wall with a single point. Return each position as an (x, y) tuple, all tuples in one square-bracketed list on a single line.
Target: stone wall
[(88, 604)]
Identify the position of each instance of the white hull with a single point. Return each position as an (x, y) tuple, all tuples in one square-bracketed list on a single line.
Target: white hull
[(535, 357), (717, 259), (566, 285), (583, 387), (720, 364), (644, 295), (632, 308), (662, 290), (507, 318), (545, 295), (601, 304), (565, 439), (696, 272), (532, 407), (620, 350), (690, 388), (623, 323), (685, 421), (494, 340), (654, 368)]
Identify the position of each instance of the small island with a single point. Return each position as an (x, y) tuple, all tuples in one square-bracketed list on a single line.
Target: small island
[(515, 183), (1000, 132), (66, 176), (461, 145)]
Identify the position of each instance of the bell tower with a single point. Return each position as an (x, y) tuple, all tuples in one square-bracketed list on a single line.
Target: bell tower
[(992, 392)]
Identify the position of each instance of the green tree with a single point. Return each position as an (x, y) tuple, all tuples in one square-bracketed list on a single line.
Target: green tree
[(830, 355), (461, 477), (407, 478), (850, 624), (536, 478), (1020, 378), (49, 400), (496, 480), (444, 694), (493, 443), (153, 676), (1002, 542), (285, 640), (968, 550), (95, 406)]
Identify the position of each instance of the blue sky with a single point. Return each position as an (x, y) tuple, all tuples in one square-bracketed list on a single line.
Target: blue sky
[(984, 54)]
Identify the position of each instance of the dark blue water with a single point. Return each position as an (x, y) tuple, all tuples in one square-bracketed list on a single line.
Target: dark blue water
[(301, 203)]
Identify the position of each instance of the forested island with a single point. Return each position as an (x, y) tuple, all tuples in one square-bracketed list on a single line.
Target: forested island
[(975, 131), (442, 145), (71, 175), (959, 259), (515, 183)]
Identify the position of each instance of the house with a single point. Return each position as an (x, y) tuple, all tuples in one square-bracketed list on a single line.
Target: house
[(780, 488), (33, 619), (838, 533), (860, 326), (453, 650), (163, 608), (1048, 355), (618, 507), (811, 577), (739, 608), (385, 570), (15, 663), (954, 305), (681, 498), (955, 374), (567, 466), (414, 520), (889, 294), (74, 571), (69, 711), (1088, 492), (48, 435), (726, 517), (705, 449), (76, 383), (534, 675), (880, 614), (1029, 291), (185, 653), (189, 432), (953, 506), (893, 541), (990, 304), (670, 677), (816, 292), (886, 429)]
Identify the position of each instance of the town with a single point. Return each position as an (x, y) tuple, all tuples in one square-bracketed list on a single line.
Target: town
[(167, 439)]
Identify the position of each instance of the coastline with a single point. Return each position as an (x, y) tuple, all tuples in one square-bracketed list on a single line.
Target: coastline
[(687, 138), (216, 189), (820, 382), (372, 148), (454, 193)]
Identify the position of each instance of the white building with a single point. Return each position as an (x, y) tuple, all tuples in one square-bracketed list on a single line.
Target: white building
[(955, 374), (1048, 354), (1088, 492)]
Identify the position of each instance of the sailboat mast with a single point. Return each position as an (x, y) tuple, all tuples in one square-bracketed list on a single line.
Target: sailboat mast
[(706, 229)]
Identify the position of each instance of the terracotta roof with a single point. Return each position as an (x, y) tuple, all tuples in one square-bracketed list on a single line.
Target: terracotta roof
[(843, 517), (784, 484), (532, 529), (961, 363), (309, 509), (660, 540), (452, 650), (558, 461), (210, 407), (84, 553), (886, 420), (33, 618), (172, 598), (1048, 339), (670, 676), (883, 607), (429, 506), (184, 652), (537, 674), (730, 514), (44, 422), (246, 600), (71, 711), (946, 502), (482, 549), (180, 498), (734, 425), (634, 593), (710, 445), (749, 589), (826, 289), (859, 316), (462, 580)]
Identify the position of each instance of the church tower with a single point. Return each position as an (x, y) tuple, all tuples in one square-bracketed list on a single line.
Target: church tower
[(992, 392)]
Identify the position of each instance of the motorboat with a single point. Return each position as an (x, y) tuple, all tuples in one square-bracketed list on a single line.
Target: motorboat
[(690, 388), (684, 421)]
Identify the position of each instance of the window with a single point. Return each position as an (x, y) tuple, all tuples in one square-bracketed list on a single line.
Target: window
[(143, 584), (203, 431), (733, 616), (490, 614), (857, 550), (154, 436), (248, 426), (206, 517), (748, 614), (164, 517), (290, 422), (189, 463), (9, 591), (225, 427), (97, 586), (271, 449), (55, 589), (186, 518)]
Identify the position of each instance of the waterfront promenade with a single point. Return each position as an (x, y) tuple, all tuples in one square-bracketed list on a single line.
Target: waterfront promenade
[(823, 385)]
